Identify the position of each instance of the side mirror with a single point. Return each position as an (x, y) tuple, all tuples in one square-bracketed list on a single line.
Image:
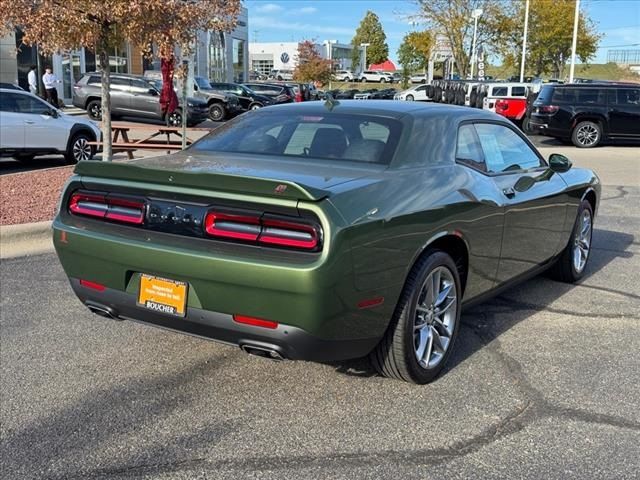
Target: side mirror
[(559, 163), (153, 92), (53, 113)]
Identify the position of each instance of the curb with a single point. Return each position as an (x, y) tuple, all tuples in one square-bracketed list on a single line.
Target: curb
[(25, 239)]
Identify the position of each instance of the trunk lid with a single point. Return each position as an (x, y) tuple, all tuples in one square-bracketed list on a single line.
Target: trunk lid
[(252, 174)]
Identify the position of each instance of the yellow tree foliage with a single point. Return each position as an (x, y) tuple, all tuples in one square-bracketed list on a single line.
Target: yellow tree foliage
[(62, 25), (311, 66)]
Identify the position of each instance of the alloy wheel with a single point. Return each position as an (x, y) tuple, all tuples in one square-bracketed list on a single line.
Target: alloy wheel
[(435, 317), (95, 111), (174, 119), (587, 135), (256, 106), (81, 149), (582, 241)]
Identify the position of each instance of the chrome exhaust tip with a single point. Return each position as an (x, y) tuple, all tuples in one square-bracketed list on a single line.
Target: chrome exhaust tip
[(102, 310), (260, 351)]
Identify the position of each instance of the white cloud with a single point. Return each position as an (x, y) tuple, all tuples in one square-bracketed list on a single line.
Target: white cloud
[(269, 8), (307, 10), (272, 23)]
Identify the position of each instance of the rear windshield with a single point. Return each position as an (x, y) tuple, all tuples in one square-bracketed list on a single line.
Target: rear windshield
[(329, 136), (545, 95)]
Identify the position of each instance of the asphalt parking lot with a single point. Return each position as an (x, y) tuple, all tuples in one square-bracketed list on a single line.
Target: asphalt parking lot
[(544, 383)]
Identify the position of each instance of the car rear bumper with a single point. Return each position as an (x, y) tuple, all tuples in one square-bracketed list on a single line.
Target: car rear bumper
[(286, 341), (315, 304)]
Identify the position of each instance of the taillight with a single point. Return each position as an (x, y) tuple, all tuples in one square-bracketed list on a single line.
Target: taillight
[(108, 207), (265, 230), (255, 322), (551, 109)]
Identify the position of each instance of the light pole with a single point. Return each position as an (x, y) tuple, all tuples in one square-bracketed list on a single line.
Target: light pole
[(574, 43), (364, 63), (475, 15), (524, 40)]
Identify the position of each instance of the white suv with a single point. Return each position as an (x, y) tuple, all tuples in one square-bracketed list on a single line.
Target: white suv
[(29, 126), (376, 76), (343, 76), (281, 74)]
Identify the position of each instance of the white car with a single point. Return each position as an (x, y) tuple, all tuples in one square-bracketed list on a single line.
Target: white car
[(281, 75), (419, 92), (376, 76), (418, 78), (343, 76), (29, 127)]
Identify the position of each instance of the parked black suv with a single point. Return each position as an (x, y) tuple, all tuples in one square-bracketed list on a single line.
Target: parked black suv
[(588, 114), (249, 100)]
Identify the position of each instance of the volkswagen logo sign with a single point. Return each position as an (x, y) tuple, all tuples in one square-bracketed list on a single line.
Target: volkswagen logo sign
[(284, 58)]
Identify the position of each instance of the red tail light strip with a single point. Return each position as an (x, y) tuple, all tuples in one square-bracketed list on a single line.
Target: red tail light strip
[(93, 285), (255, 322), (105, 206), (271, 231)]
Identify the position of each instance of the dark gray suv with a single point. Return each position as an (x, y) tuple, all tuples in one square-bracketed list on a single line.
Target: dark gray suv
[(133, 96)]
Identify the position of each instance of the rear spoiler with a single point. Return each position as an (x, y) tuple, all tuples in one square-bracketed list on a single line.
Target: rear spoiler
[(204, 180)]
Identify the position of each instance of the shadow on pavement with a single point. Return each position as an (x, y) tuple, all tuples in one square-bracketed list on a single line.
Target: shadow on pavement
[(607, 246)]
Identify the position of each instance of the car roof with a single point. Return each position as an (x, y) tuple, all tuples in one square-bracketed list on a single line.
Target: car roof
[(386, 108), (592, 85)]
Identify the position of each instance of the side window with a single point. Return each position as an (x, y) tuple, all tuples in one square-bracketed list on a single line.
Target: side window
[(120, 84), (499, 92), (587, 95), (27, 104), (94, 81), (140, 86), (518, 91), (504, 150), (421, 88), (468, 148), (8, 102), (628, 96)]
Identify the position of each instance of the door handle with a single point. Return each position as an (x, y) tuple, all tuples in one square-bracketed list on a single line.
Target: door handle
[(509, 192), (29, 122)]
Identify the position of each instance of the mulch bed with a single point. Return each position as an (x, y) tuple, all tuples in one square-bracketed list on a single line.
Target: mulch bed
[(31, 196)]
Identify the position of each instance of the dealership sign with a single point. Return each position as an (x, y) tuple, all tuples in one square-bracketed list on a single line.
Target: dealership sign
[(284, 58)]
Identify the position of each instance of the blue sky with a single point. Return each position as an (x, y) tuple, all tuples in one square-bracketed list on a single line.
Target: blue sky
[(295, 20)]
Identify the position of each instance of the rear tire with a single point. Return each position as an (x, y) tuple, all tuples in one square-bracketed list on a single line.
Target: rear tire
[(586, 134), (422, 332), (572, 263), (217, 113), (174, 119)]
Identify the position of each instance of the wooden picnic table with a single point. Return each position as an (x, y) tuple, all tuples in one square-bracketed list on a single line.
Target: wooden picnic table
[(155, 141)]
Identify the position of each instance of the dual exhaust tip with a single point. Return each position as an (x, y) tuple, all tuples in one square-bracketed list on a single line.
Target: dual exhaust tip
[(257, 350)]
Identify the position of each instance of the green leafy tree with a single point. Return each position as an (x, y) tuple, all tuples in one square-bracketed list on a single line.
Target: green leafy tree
[(452, 19), (549, 37), (370, 31), (415, 50), (311, 66)]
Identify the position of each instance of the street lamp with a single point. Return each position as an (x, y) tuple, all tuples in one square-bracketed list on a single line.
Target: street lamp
[(365, 45), (475, 15), (574, 41), (524, 40)]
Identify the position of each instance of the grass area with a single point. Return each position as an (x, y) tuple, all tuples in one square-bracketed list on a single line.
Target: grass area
[(598, 71)]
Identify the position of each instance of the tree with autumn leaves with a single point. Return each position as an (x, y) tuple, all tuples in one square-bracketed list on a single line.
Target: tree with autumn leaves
[(63, 25), (311, 67)]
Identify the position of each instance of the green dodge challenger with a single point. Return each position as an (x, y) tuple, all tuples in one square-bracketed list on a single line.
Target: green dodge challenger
[(327, 231)]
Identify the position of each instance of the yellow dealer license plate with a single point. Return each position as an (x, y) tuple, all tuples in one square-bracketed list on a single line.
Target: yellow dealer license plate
[(163, 295)]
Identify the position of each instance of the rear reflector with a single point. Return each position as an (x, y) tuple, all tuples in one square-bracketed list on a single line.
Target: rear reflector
[(548, 109), (108, 207), (267, 230), (255, 322), (93, 285), (371, 302)]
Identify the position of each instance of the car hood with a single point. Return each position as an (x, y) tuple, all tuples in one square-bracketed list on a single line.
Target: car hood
[(246, 173)]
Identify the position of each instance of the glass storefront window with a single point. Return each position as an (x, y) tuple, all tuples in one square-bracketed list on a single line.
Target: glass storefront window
[(238, 60), (263, 67), (217, 63)]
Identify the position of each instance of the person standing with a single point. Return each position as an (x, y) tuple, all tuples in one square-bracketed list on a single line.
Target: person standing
[(49, 81), (32, 79)]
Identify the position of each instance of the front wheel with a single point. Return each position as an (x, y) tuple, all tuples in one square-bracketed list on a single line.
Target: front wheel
[(383, 80), (174, 119), (422, 332), (216, 112), (586, 135), (94, 109), (255, 106), (79, 149), (410, 98), (571, 265)]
